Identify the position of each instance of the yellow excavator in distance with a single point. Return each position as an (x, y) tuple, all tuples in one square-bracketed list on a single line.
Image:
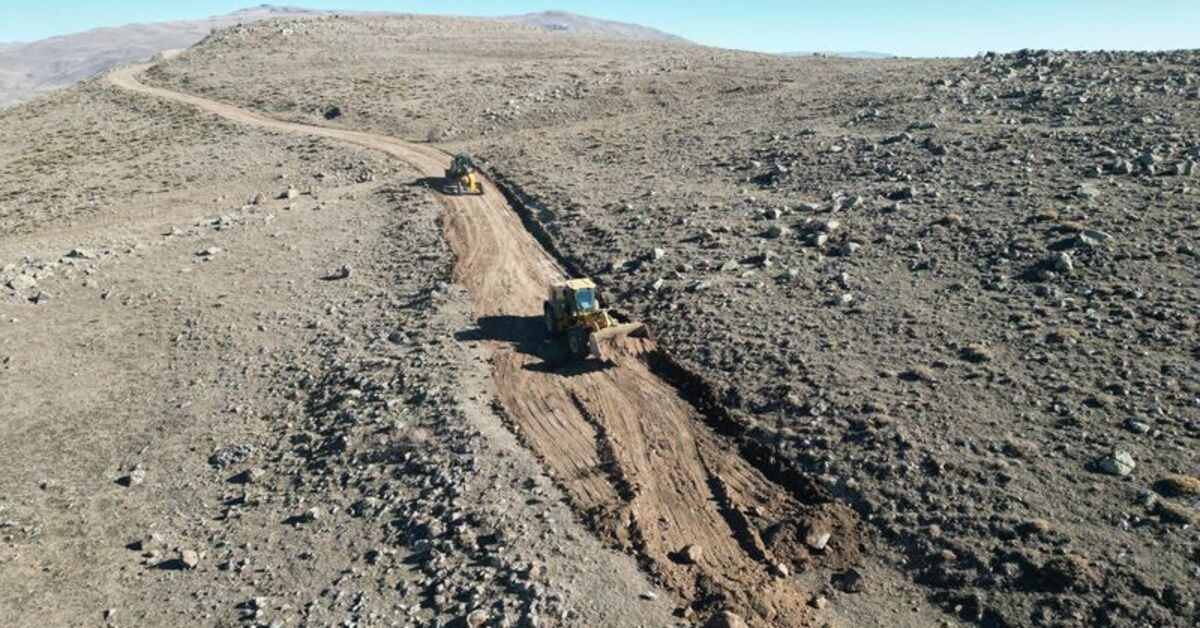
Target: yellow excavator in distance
[(573, 308), (461, 177)]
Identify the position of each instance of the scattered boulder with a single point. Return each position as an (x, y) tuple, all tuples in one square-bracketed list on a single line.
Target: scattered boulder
[(1119, 463), (136, 477), (22, 283), (342, 272), (188, 559), (476, 618), (230, 455), (817, 537), (726, 619), (249, 476), (850, 581), (691, 554), (1062, 263), (776, 231)]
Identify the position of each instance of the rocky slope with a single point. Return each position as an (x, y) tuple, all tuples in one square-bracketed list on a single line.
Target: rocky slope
[(961, 292), (29, 69), (233, 395), (959, 296)]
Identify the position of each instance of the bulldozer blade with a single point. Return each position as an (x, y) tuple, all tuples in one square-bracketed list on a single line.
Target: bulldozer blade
[(623, 339)]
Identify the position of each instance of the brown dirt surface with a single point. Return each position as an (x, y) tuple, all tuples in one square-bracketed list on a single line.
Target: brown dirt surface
[(924, 334), (634, 456)]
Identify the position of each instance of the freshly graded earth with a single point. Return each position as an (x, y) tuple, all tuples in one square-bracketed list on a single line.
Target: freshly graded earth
[(925, 336)]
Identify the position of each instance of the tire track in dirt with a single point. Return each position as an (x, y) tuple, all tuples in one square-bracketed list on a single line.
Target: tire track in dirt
[(636, 458)]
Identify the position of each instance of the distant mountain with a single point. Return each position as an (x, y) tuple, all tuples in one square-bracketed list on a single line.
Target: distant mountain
[(30, 69), (562, 21), (848, 54)]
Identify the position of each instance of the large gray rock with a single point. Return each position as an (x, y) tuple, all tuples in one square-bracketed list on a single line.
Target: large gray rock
[(22, 283), (1119, 463)]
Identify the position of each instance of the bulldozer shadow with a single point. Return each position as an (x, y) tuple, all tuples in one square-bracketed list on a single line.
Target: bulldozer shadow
[(437, 184), (527, 335)]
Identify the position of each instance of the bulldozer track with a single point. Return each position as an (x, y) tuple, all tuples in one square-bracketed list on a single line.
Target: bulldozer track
[(632, 444)]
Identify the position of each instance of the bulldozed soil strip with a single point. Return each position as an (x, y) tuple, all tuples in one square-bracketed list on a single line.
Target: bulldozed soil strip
[(635, 457)]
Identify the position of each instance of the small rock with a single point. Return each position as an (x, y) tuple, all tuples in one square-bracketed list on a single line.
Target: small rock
[(136, 477), (209, 252), (1119, 463), (1063, 263), (781, 570), (818, 537), (230, 455), (153, 541), (22, 283), (1092, 238), (249, 476), (1136, 426), (691, 554), (725, 619), (777, 231), (476, 618), (290, 194), (341, 273), (818, 602), (850, 581), (648, 595), (188, 559)]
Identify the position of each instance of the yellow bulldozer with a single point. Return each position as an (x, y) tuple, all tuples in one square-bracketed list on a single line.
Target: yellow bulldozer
[(573, 309), (460, 176)]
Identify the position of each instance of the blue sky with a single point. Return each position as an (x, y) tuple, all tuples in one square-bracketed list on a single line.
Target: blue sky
[(907, 27)]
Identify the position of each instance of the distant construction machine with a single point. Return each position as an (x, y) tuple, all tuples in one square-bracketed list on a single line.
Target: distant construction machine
[(573, 308), (461, 176)]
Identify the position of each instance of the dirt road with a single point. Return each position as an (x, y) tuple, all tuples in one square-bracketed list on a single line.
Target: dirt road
[(635, 457)]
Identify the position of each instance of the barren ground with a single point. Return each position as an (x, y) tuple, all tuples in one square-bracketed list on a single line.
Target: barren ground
[(933, 308)]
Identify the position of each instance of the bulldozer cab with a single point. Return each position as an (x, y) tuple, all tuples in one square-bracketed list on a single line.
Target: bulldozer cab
[(585, 300), (461, 163), (578, 296)]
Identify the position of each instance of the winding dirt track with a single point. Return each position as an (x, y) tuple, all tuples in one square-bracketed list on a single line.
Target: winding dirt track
[(636, 459)]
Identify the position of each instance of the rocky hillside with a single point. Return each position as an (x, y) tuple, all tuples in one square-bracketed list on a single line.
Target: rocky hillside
[(565, 22), (30, 69), (953, 302), (962, 293)]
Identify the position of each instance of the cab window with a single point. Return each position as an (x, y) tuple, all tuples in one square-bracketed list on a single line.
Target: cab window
[(585, 300)]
